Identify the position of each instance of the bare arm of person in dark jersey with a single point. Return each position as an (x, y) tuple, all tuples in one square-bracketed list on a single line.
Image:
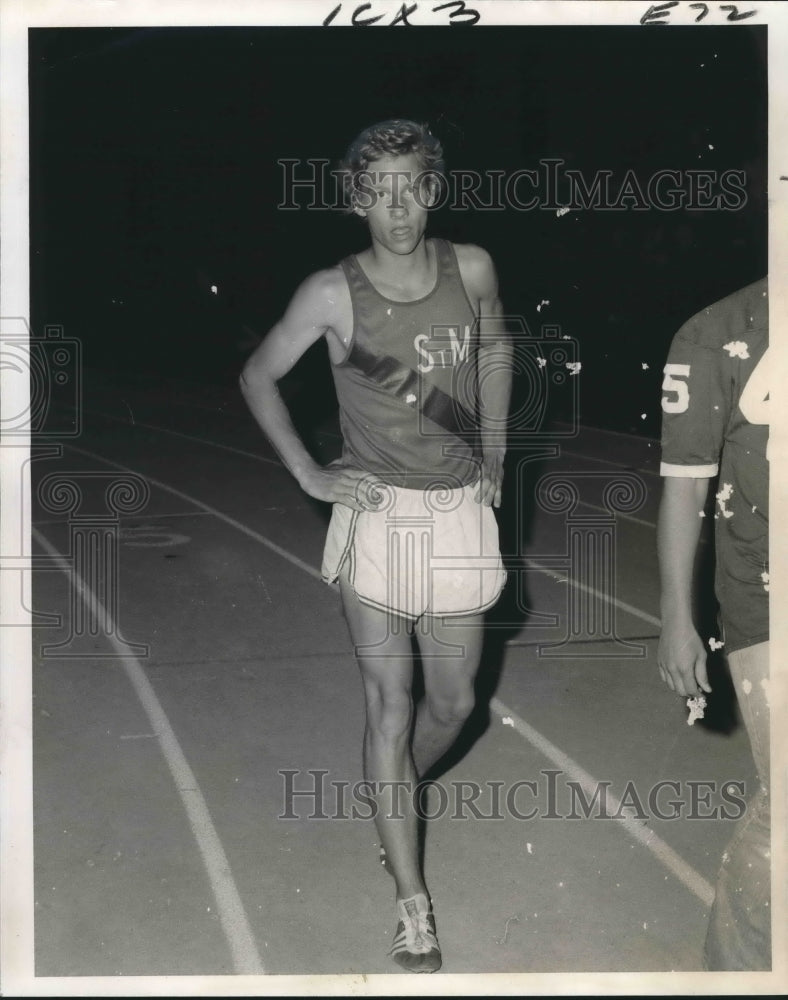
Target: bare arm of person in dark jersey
[(681, 655)]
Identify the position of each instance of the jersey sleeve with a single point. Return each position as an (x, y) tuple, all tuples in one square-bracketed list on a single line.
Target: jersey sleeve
[(695, 408)]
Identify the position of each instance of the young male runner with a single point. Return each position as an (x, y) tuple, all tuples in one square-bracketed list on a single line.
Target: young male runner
[(716, 420), (414, 328)]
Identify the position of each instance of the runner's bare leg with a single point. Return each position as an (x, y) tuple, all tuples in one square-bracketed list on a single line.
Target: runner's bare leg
[(451, 651), (385, 658)]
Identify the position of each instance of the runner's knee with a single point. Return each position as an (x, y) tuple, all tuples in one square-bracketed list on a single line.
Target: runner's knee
[(452, 710), (389, 710)]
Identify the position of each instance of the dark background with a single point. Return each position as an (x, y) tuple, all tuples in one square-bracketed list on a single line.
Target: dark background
[(154, 175)]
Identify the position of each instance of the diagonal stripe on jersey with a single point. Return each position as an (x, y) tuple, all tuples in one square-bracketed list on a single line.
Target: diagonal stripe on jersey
[(402, 381)]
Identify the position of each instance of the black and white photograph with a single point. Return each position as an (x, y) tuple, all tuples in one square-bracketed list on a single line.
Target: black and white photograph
[(388, 454)]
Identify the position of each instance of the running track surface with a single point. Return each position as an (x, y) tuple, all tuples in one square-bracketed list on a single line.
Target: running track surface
[(222, 660)]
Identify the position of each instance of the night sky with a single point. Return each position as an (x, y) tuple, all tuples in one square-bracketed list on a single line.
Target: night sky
[(154, 175)]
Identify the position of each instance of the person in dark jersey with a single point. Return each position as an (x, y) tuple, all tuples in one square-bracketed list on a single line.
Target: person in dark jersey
[(716, 421), (413, 326)]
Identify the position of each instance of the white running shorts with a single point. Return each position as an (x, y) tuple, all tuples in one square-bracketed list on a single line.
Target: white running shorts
[(433, 552)]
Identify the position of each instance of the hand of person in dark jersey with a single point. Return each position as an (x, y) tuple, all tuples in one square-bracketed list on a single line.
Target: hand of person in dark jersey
[(681, 657)]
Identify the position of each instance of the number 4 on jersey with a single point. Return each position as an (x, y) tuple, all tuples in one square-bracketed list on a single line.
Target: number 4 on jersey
[(754, 401)]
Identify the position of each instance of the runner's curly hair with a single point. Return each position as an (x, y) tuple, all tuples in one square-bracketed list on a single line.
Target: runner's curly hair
[(394, 137)]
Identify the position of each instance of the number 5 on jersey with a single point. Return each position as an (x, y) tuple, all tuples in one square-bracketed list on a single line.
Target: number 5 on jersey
[(678, 401)]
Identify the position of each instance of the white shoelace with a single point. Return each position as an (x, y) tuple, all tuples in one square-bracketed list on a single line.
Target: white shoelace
[(416, 936)]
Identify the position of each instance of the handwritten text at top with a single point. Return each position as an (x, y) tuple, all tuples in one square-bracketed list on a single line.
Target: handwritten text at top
[(694, 13), (364, 15)]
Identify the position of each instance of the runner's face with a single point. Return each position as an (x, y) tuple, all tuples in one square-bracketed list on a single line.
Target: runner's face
[(395, 209)]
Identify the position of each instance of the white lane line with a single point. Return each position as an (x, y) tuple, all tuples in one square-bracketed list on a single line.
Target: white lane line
[(189, 437), (623, 605), (629, 517), (689, 877), (311, 569), (619, 515), (272, 461), (235, 924), (210, 510), (333, 434), (134, 517), (608, 461), (692, 879), (155, 516), (610, 433)]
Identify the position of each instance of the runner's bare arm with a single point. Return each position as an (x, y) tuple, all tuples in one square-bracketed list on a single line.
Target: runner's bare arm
[(310, 315), (681, 655), (494, 367)]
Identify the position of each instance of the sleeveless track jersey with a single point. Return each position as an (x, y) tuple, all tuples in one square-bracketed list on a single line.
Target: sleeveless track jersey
[(407, 388)]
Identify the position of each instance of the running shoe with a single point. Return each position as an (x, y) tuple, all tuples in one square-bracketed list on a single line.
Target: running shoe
[(415, 945)]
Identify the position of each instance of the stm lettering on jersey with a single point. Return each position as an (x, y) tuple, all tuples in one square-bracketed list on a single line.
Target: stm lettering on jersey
[(443, 348)]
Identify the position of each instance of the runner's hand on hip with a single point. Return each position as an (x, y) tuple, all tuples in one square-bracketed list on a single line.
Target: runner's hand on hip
[(352, 487), (491, 480)]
